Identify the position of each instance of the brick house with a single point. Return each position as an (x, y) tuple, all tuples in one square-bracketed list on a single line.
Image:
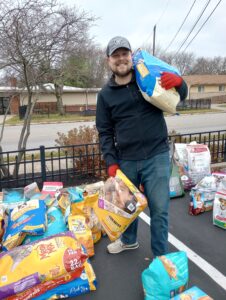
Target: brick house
[(74, 99)]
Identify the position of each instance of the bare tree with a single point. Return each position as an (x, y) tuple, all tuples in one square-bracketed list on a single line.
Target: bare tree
[(35, 37)]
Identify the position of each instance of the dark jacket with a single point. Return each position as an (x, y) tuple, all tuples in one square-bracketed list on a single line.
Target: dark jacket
[(129, 127)]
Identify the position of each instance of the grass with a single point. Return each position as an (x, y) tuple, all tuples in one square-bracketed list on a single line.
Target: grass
[(77, 118), (51, 118)]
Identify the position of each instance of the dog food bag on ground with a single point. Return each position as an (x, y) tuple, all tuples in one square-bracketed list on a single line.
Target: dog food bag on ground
[(82, 285), (148, 72), (52, 188), (166, 276), (77, 224), (181, 159), (194, 293), (219, 209), (81, 282), (27, 218), (13, 197), (199, 160), (28, 265), (31, 189), (43, 287), (220, 180), (203, 194), (118, 205), (176, 186), (55, 225)]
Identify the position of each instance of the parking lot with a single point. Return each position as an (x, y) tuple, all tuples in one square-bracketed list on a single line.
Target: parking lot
[(119, 276)]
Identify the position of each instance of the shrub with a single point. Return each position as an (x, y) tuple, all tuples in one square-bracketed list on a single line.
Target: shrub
[(82, 144)]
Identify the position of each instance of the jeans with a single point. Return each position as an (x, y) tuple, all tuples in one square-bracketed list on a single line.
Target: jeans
[(153, 174)]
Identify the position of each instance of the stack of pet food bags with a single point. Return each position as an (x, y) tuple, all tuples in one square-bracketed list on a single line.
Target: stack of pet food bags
[(194, 162), (210, 194), (119, 203), (40, 257)]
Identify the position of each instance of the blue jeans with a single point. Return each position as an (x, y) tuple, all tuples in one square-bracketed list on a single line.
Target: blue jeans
[(153, 174)]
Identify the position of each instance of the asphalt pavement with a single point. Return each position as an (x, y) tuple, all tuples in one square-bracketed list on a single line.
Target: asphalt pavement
[(119, 276)]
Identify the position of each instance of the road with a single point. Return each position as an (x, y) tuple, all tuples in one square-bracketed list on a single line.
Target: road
[(45, 134)]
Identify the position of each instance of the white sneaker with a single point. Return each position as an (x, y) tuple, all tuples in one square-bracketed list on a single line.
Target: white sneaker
[(118, 246)]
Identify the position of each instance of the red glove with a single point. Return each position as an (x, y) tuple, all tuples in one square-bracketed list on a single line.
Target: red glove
[(170, 80), (112, 170)]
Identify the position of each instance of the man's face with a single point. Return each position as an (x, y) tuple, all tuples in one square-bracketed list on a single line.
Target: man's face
[(120, 62)]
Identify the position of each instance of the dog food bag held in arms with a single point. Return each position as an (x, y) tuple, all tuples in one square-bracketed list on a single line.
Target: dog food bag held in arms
[(148, 70), (118, 205)]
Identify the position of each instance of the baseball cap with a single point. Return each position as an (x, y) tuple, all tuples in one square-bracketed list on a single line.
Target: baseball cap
[(116, 43)]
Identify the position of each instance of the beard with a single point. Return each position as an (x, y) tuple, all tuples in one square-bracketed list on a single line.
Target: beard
[(124, 72)]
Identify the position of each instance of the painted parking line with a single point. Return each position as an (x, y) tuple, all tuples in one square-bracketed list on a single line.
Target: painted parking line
[(210, 270)]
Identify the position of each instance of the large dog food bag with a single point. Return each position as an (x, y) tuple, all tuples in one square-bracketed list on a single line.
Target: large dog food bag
[(148, 72), (118, 205), (166, 276), (219, 209)]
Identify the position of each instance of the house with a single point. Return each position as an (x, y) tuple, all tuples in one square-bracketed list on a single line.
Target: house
[(206, 86), (74, 99)]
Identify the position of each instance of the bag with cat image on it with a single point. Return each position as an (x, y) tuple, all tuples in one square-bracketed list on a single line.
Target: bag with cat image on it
[(166, 276)]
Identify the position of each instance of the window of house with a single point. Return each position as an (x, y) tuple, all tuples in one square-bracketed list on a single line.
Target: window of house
[(221, 88), (201, 88)]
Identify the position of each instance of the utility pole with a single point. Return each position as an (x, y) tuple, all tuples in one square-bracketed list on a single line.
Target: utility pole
[(154, 29)]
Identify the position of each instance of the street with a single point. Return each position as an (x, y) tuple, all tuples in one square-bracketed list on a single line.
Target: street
[(45, 134)]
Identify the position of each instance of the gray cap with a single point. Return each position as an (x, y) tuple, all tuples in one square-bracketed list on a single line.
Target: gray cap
[(116, 43)]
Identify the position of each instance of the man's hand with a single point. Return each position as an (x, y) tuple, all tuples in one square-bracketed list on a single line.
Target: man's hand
[(112, 170), (170, 80)]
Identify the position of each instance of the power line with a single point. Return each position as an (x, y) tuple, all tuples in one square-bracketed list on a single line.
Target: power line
[(202, 25), (206, 5), (180, 26), (160, 17)]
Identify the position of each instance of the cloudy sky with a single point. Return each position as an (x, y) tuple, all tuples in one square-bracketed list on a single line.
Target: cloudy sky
[(135, 19)]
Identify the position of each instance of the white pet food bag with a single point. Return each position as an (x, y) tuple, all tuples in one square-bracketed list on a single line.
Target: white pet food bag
[(199, 160), (219, 209)]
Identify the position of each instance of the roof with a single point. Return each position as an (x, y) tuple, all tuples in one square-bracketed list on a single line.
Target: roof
[(49, 87), (205, 79)]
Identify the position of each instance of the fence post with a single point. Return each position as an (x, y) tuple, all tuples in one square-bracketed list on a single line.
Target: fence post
[(43, 162), (224, 148)]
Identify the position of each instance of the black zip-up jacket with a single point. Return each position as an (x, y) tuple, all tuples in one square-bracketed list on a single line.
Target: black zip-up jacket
[(129, 127)]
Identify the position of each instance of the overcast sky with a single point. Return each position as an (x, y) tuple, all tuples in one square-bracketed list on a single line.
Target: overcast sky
[(135, 19)]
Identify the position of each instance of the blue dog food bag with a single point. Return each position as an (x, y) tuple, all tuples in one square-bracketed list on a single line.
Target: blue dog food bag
[(166, 276), (194, 293), (148, 72)]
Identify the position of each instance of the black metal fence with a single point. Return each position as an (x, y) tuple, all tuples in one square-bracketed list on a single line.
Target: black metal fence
[(76, 164), (194, 104)]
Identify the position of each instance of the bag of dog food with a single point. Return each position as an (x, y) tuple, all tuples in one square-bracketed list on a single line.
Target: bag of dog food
[(119, 205), (219, 209), (194, 293), (28, 265), (175, 184), (166, 276), (148, 72)]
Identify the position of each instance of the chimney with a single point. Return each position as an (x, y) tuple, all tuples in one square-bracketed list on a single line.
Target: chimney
[(12, 82)]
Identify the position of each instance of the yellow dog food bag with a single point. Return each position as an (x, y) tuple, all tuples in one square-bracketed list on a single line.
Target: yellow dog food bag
[(82, 232), (109, 207), (28, 265)]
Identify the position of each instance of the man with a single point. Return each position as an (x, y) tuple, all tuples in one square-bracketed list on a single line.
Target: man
[(133, 137)]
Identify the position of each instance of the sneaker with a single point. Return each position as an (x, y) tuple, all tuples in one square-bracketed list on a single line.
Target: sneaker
[(118, 246)]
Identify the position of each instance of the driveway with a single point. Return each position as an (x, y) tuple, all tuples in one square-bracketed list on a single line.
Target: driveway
[(119, 276)]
